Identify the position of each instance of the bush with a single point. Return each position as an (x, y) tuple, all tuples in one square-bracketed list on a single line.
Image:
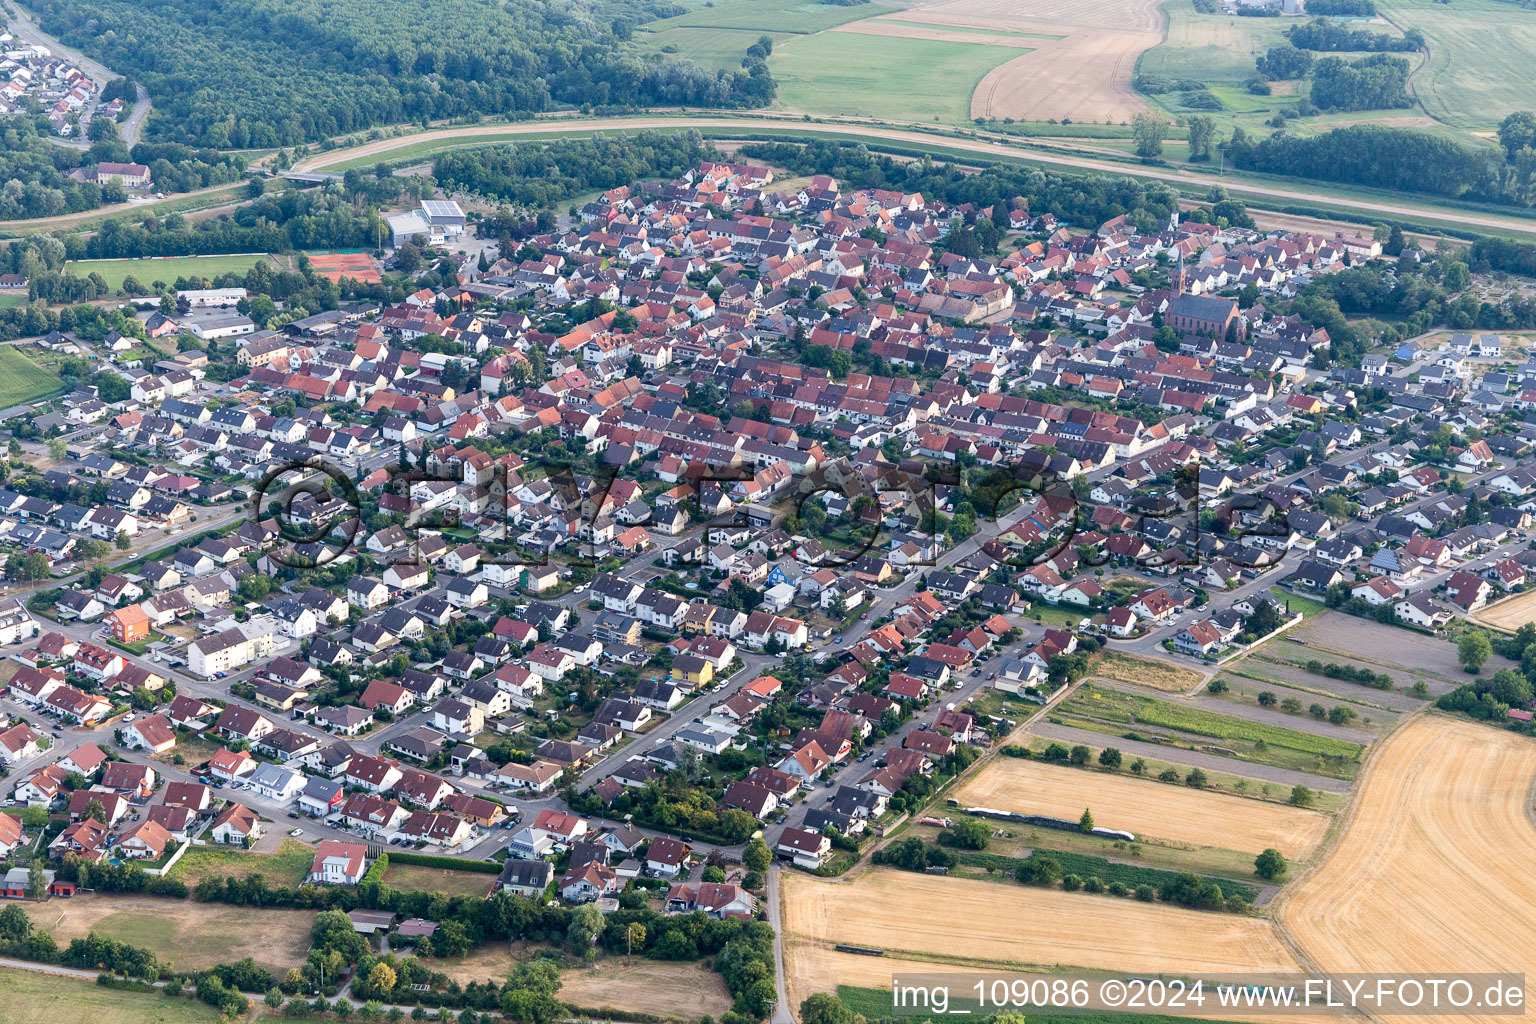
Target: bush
[(1093, 883), (1071, 883), (1145, 893)]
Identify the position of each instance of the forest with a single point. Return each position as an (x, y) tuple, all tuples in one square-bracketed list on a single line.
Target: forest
[(1377, 82), (1373, 155), (262, 73), (1342, 8), (540, 174), (1329, 36)]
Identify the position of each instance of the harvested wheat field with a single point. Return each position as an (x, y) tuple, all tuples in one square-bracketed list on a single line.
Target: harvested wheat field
[(961, 922), (1150, 809), (190, 935), (1437, 868), (1511, 613), (1084, 75)]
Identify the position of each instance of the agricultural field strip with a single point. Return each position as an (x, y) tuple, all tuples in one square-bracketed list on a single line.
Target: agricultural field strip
[(968, 925), (1441, 836), (1141, 806), (1130, 709)]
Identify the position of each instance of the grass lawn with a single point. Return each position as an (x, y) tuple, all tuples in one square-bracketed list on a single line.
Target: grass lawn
[(791, 16), (1309, 608), (33, 998), (1480, 58), (139, 647), (287, 866), (714, 48), (880, 76), (11, 299), (1212, 48), (166, 270), (412, 877), (1053, 615), (184, 933), (22, 380)]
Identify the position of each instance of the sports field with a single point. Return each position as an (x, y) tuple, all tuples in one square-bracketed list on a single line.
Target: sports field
[(1150, 809), (22, 380), (165, 270), (1435, 869), (908, 79), (941, 924), (1480, 58)]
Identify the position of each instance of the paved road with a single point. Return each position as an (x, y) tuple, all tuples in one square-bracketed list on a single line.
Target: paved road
[(1063, 157), (1192, 758)]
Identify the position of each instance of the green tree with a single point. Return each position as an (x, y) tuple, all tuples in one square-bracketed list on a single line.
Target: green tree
[(1110, 757), (1301, 796), (56, 448), (824, 1008), (1473, 650), (1080, 754), (1270, 865), (1149, 132), (1267, 699), (586, 924), (1511, 687), (1517, 132), (1196, 779), (970, 834), (1202, 137), (1085, 823), (756, 855)]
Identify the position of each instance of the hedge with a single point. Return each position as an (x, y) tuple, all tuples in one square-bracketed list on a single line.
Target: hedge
[(427, 860), (1086, 865)]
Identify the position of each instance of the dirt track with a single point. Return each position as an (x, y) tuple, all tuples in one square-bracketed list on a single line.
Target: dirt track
[(1151, 808), (1436, 871)]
